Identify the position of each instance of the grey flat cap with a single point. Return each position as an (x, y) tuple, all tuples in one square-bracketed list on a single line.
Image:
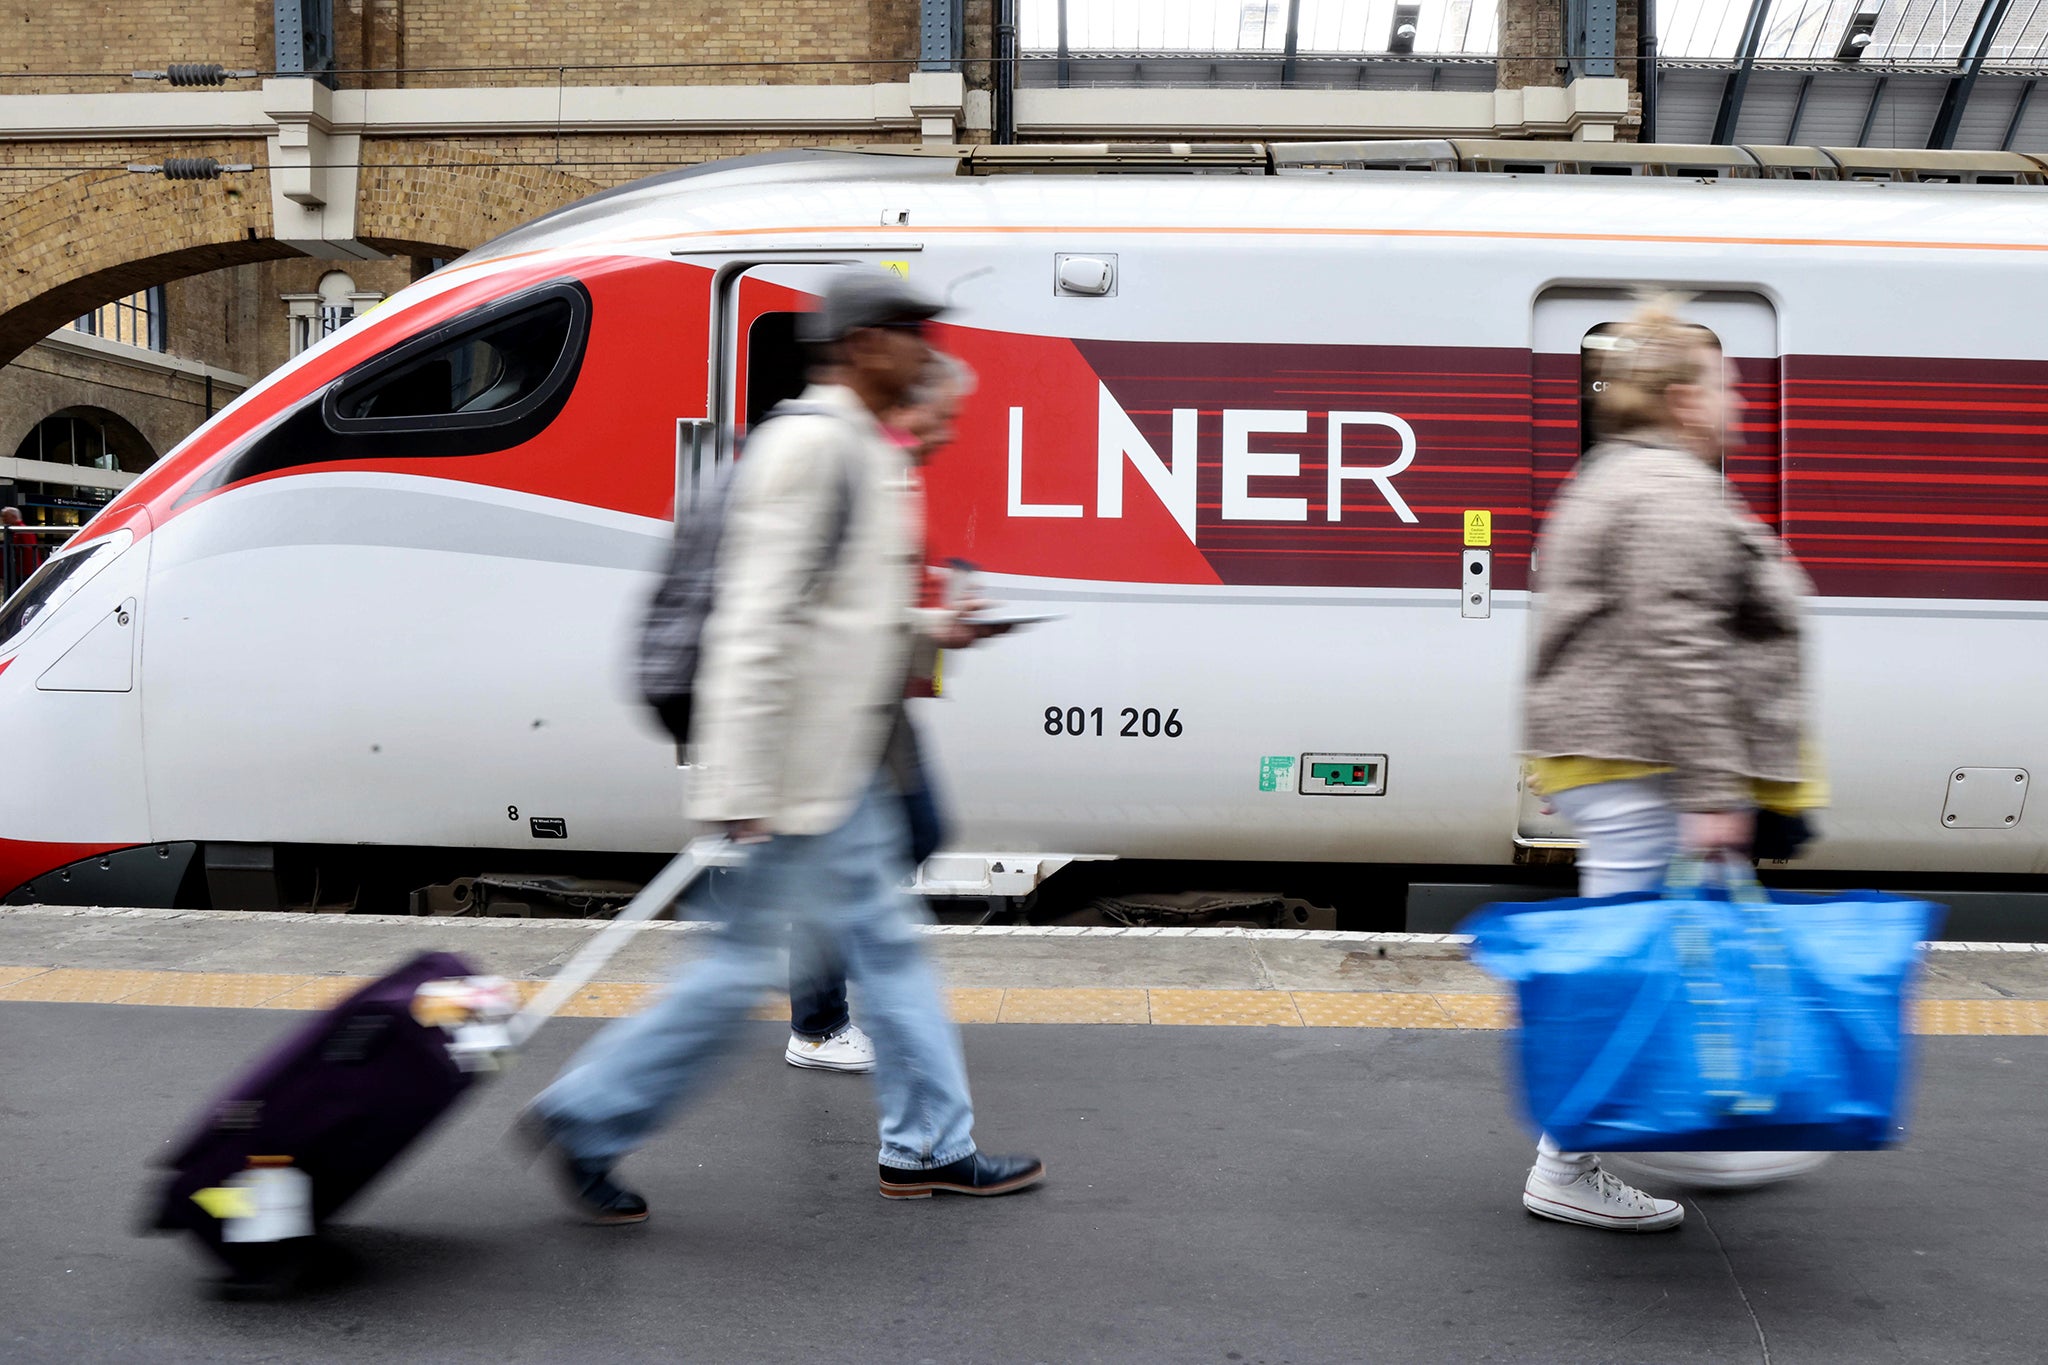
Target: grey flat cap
[(862, 297)]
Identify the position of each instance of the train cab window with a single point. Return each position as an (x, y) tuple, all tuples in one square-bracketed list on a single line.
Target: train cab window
[(489, 368), (486, 381), (53, 584)]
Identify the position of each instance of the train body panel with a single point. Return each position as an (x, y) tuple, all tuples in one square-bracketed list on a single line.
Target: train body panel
[(1244, 477)]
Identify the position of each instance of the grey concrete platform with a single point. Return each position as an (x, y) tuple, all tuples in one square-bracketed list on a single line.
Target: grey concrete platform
[(1212, 959), (1216, 1195)]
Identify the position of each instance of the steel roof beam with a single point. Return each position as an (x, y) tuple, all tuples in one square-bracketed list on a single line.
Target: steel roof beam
[(1949, 120), (1738, 80), (2019, 114)]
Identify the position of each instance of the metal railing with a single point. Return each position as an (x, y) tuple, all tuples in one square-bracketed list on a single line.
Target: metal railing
[(23, 550)]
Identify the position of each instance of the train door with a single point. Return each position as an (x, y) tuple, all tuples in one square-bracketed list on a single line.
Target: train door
[(1572, 330), (762, 362)]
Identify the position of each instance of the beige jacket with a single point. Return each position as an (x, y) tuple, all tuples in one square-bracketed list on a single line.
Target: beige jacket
[(802, 675), (1667, 628)]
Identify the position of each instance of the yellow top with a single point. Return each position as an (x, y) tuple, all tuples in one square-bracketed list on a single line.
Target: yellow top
[(1785, 798)]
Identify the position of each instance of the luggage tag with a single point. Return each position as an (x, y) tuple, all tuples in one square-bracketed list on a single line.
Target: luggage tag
[(272, 1201), (473, 1011)]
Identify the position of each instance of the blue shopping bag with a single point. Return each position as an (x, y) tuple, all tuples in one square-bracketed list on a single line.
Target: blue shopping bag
[(1711, 1017)]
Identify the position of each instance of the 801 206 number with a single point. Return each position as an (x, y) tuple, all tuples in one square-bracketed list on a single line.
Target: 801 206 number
[(1132, 722)]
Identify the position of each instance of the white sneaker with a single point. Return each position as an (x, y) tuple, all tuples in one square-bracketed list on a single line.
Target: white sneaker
[(847, 1050), (1724, 1170), (1599, 1200)]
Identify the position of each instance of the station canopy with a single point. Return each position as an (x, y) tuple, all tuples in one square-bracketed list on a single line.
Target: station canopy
[(1851, 73)]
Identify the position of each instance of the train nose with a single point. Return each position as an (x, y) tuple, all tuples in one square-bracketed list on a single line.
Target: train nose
[(74, 810)]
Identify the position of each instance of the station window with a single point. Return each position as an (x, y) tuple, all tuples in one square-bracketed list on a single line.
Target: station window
[(138, 320), (319, 315)]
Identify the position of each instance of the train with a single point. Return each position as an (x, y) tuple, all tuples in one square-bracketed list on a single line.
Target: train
[(1270, 435)]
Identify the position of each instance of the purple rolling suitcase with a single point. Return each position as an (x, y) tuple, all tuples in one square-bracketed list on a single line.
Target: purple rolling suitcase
[(323, 1114)]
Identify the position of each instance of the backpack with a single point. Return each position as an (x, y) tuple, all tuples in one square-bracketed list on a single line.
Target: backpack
[(672, 632)]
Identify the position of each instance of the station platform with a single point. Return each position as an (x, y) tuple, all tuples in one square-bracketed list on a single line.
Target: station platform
[(1264, 1146)]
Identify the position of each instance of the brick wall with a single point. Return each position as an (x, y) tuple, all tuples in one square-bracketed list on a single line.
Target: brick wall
[(94, 44), (91, 45), (649, 42), (1532, 37), (164, 406)]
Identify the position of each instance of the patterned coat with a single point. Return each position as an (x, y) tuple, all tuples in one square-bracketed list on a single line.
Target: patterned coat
[(1668, 627)]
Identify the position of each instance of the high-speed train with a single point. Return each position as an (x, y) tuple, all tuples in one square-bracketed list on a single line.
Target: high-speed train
[(1271, 448)]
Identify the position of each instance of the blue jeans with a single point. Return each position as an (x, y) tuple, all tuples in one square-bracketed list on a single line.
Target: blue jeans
[(817, 989), (844, 889)]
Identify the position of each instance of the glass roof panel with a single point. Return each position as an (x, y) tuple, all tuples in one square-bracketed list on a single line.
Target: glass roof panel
[(1465, 28)]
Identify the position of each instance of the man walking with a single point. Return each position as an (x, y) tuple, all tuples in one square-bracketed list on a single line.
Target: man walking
[(806, 653)]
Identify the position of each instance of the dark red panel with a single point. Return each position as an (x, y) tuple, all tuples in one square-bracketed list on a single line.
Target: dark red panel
[(1910, 477)]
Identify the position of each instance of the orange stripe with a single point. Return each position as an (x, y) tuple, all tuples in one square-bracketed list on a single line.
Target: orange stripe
[(1454, 234)]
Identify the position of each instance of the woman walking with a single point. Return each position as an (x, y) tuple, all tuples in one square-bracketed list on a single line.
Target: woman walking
[(1664, 698)]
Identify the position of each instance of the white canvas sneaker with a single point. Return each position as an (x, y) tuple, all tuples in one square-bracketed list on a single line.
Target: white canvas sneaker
[(1599, 1200), (1724, 1170), (847, 1050)]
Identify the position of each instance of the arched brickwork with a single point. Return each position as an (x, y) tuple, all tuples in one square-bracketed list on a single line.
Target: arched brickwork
[(420, 198), (76, 243), (79, 242)]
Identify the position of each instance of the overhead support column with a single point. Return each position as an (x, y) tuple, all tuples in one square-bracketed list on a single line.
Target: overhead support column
[(1003, 80), (1949, 119), (940, 29), (1287, 63), (2019, 114), (1646, 68), (1870, 114), (304, 31), (1738, 80), (1589, 38)]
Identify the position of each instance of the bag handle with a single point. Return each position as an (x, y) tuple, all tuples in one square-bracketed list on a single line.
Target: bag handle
[(1748, 1077), (655, 897)]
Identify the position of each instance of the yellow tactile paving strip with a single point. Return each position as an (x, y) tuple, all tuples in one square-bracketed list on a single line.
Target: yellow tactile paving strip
[(970, 1005)]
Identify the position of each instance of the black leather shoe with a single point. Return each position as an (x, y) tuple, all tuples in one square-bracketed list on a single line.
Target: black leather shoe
[(978, 1173), (588, 1185)]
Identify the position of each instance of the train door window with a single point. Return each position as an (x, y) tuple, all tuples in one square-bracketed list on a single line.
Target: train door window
[(778, 365), (1597, 352), (1573, 333)]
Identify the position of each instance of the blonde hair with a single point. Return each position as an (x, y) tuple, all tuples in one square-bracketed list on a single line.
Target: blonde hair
[(1640, 361)]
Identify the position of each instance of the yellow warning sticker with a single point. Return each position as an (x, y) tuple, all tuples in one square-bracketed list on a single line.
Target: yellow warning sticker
[(1478, 530), (900, 269)]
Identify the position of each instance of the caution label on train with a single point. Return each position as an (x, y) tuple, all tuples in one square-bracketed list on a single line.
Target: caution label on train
[(1478, 530)]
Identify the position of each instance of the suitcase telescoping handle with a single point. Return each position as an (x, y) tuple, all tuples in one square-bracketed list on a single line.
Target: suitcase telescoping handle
[(668, 884)]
